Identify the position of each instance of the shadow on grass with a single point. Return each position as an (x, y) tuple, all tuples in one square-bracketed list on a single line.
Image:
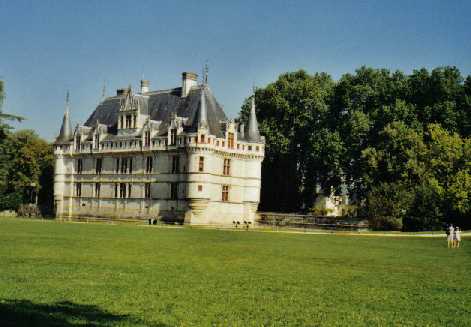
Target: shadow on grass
[(68, 314)]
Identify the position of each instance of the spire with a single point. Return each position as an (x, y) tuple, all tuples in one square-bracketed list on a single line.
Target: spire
[(103, 91), (65, 133), (253, 134), (203, 112), (205, 73)]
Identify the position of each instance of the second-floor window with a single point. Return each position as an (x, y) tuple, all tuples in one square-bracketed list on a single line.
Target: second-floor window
[(227, 167), (175, 164), (79, 166), (124, 165), (98, 165), (149, 164), (117, 165), (122, 190), (201, 164)]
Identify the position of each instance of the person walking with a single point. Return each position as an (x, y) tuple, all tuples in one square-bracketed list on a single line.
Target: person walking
[(450, 232), (458, 237)]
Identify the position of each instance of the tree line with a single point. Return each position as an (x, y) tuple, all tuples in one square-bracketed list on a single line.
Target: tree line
[(26, 166), (399, 143)]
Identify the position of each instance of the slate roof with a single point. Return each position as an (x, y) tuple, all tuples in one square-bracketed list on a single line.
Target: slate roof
[(162, 104)]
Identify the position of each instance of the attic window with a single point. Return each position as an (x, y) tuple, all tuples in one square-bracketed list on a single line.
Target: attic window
[(230, 140), (173, 136)]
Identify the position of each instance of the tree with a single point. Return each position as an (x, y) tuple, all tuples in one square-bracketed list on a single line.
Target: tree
[(290, 111)]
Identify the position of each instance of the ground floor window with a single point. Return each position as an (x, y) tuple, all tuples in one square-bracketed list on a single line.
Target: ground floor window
[(97, 190), (174, 191), (78, 189)]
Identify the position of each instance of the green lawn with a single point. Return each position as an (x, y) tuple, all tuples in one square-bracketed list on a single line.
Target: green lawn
[(70, 274)]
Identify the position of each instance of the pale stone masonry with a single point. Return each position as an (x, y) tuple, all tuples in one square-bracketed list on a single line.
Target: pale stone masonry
[(171, 154)]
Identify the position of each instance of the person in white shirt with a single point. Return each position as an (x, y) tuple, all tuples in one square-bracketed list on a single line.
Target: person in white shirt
[(457, 237), (450, 234)]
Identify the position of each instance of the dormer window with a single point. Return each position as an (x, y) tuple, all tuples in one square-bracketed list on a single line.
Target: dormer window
[(77, 143), (128, 121), (230, 140), (202, 138), (173, 136), (97, 141), (147, 138)]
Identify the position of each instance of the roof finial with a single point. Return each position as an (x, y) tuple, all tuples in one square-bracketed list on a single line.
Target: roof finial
[(67, 100), (103, 91), (205, 73), (253, 132)]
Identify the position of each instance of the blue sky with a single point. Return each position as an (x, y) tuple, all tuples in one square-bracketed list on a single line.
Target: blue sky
[(49, 47)]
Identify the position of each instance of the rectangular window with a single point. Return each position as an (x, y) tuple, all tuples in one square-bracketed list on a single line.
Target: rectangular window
[(202, 138), (122, 121), (124, 165), (129, 190), (98, 165), (147, 193), (122, 190), (97, 141), (174, 191), (128, 121), (116, 190), (230, 140), (97, 190), (130, 165), (79, 166), (200, 188), (147, 138), (117, 165), (149, 164), (225, 193), (173, 136), (134, 121), (78, 189), (201, 164), (227, 167), (175, 164)]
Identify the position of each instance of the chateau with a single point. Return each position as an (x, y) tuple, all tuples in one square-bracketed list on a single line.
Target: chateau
[(167, 154)]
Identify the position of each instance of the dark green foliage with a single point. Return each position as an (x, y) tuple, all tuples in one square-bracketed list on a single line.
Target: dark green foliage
[(11, 201), (64, 274), (370, 129)]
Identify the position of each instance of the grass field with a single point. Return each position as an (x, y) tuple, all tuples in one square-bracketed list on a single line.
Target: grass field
[(69, 274)]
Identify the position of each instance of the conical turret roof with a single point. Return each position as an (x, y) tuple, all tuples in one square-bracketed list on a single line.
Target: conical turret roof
[(65, 132), (253, 134)]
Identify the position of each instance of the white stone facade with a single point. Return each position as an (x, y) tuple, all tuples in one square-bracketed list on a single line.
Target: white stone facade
[(181, 168)]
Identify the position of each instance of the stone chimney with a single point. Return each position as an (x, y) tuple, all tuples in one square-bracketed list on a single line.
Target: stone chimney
[(144, 86), (188, 81)]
